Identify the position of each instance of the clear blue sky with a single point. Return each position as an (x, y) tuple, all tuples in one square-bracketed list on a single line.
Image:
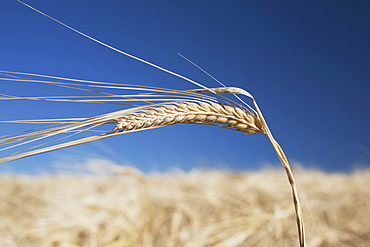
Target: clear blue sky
[(306, 63)]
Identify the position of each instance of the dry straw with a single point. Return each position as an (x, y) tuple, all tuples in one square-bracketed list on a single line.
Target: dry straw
[(150, 108)]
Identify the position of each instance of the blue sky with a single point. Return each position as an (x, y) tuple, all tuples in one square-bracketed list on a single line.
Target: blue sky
[(305, 62)]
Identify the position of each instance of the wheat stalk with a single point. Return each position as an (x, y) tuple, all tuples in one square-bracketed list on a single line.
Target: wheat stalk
[(202, 109), (189, 106)]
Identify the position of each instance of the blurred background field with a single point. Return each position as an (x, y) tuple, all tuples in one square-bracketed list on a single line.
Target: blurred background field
[(195, 208)]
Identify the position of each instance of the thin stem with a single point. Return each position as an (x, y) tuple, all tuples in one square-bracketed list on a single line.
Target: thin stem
[(284, 161)]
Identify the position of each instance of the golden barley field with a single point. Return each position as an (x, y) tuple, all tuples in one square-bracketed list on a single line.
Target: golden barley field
[(196, 208)]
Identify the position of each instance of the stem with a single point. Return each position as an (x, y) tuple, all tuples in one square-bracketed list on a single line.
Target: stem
[(284, 161)]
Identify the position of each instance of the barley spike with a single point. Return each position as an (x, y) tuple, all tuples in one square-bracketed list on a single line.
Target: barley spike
[(190, 112)]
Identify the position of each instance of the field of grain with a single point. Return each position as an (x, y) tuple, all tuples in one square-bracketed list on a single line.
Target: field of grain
[(196, 208)]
